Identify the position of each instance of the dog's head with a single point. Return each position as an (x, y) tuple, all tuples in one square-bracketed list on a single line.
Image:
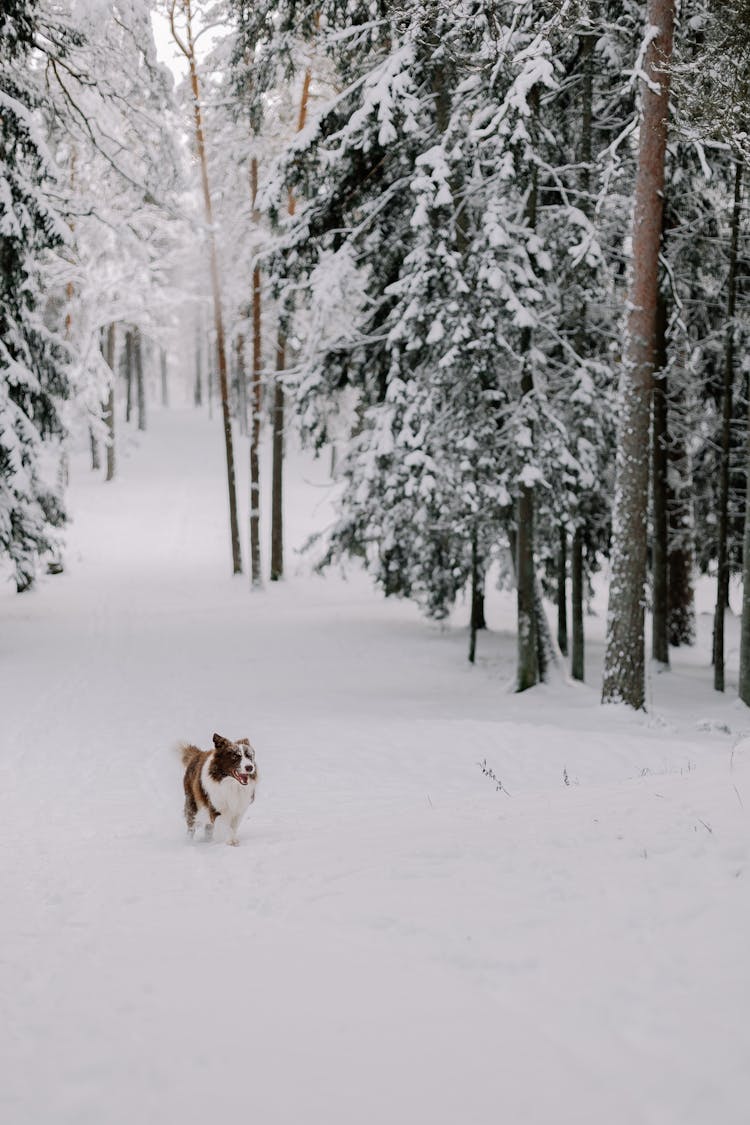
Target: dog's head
[(235, 759)]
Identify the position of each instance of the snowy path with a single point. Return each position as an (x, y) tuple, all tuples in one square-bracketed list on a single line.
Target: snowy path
[(395, 941)]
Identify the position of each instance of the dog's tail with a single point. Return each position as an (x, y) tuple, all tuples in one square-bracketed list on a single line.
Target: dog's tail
[(187, 753)]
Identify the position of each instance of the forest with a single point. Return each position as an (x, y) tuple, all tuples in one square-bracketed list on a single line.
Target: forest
[(374, 384), (491, 253)]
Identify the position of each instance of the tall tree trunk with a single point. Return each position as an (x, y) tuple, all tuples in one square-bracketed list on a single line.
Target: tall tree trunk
[(140, 382), (476, 620), (198, 385), (94, 447), (727, 405), (164, 380), (256, 404), (576, 597), (624, 670), (129, 374), (681, 521), (659, 474), (528, 649), (241, 383), (744, 685), (277, 471), (188, 49), (577, 573), (562, 592), (277, 466), (109, 409)]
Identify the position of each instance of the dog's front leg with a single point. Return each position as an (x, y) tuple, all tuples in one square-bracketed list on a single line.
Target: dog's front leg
[(234, 824)]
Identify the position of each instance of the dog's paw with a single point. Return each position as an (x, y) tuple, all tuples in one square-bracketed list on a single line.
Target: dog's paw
[(233, 843)]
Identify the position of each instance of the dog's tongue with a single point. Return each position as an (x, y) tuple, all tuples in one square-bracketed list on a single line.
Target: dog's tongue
[(241, 777)]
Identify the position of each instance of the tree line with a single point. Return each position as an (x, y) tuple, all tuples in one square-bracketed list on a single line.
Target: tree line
[(499, 249)]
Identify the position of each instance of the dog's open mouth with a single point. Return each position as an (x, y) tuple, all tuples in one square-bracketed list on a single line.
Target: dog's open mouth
[(243, 778)]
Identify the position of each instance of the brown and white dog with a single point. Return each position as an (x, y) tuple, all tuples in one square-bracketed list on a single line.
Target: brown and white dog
[(219, 782)]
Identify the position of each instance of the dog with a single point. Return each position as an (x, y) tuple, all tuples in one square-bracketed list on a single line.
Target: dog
[(218, 783)]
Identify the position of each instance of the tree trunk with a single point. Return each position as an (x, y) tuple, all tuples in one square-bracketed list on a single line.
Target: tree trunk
[(562, 592), (129, 374), (256, 404), (476, 620), (624, 671), (94, 446), (529, 652), (241, 383), (277, 467), (140, 382), (188, 49), (744, 684), (681, 526), (277, 471), (722, 552), (164, 381), (576, 595), (659, 466), (109, 409), (198, 386)]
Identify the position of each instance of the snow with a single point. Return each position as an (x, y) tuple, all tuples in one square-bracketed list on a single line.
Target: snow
[(395, 939)]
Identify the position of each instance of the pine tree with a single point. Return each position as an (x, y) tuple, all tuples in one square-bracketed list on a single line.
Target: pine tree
[(624, 673), (33, 361)]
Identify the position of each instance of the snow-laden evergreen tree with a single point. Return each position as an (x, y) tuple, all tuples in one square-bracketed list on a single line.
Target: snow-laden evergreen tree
[(33, 360), (422, 245)]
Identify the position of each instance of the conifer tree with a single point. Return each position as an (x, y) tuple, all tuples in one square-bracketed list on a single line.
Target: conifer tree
[(33, 361)]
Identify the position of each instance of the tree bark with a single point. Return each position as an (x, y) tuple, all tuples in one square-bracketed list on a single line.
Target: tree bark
[(528, 648), (241, 383), (128, 374), (659, 474), (576, 596), (188, 49), (562, 592), (140, 383), (624, 665), (198, 385), (164, 379), (256, 403), (277, 470), (109, 409), (727, 404), (476, 620), (277, 466)]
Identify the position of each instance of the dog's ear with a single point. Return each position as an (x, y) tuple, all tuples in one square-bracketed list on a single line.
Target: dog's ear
[(220, 742)]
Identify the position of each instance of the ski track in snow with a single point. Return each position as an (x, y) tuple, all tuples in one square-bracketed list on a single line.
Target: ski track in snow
[(395, 940)]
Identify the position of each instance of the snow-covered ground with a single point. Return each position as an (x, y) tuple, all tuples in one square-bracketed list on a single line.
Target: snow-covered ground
[(396, 940)]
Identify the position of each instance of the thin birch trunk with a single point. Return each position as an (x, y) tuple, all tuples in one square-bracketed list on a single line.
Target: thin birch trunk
[(727, 405), (624, 665), (188, 49)]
